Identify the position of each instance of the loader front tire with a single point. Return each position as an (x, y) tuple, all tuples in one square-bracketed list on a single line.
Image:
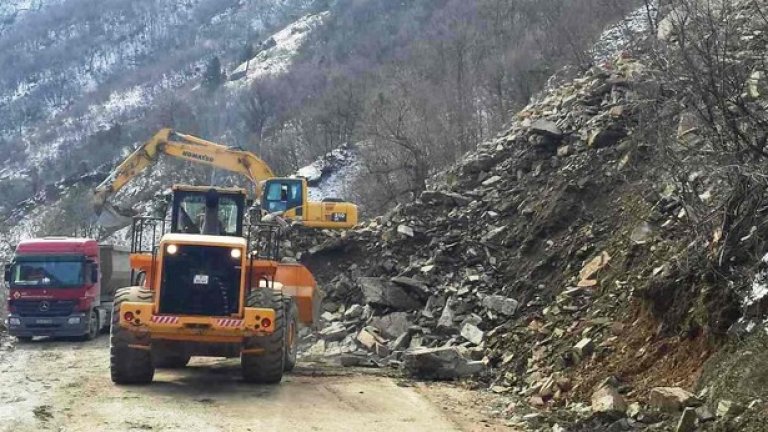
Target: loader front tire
[(291, 334), (128, 365), (266, 366)]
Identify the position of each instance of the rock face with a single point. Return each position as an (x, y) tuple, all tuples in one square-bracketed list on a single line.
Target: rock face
[(440, 363)]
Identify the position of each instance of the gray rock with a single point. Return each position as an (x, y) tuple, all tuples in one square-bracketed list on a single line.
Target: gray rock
[(402, 342), (472, 333), (546, 127), (392, 325), (704, 414), (334, 332), (446, 320), (414, 287), (606, 137), (672, 399), (493, 234), (728, 408), (353, 312), (607, 400), (687, 421), (584, 348), (444, 198), (405, 230), (381, 292), (351, 360), (440, 363), (502, 305)]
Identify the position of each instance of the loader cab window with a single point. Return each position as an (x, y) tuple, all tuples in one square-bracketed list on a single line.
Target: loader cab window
[(284, 195), (196, 212)]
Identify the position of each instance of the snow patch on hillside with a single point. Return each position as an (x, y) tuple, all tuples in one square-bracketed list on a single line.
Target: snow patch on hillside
[(620, 36), (280, 51), (332, 175)]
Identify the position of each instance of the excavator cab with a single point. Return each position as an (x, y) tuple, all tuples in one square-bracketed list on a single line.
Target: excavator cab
[(289, 198)]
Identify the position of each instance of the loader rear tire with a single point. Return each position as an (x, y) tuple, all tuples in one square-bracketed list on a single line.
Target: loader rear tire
[(128, 365), (267, 366), (291, 334)]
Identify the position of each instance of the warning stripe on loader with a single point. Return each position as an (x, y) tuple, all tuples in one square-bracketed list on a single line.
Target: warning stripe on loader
[(164, 319), (224, 322)]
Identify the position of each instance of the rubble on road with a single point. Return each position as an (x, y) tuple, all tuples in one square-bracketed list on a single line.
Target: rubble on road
[(440, 363)]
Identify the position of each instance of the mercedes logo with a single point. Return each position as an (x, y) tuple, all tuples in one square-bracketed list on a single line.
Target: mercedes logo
[(44, 306)]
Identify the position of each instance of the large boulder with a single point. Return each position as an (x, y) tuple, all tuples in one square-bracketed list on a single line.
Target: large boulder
[(440, 363), (672, 399), (384, 293)]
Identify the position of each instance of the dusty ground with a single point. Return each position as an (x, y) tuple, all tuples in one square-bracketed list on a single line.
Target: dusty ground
[(65, 386)]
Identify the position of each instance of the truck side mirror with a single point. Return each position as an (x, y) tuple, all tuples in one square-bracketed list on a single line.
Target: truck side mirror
[(94, 272), (7, 273)]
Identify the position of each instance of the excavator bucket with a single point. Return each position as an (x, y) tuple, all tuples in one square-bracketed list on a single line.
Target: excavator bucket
[(111, 219)]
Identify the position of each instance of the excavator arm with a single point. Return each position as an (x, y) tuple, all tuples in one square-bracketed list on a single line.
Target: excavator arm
[(186, 147)]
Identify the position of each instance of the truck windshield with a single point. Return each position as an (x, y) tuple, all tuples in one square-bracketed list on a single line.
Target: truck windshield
[(48, 273)]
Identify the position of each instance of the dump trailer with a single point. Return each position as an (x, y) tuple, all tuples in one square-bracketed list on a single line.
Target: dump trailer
[(60, 286), (205, 283)]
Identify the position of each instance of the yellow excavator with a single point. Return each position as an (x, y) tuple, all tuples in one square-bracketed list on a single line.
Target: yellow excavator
[(286, 197)]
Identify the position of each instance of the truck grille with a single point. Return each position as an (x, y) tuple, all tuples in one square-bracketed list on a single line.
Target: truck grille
[(47, 308), (200, 280)]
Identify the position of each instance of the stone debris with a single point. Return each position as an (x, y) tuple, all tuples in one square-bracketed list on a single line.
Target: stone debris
[(440, 363), (381, 292), (672, 399), (687, 422), (472, 333), (502, 305), (727, 408), (607, 400), (506, 257), (587, 274)]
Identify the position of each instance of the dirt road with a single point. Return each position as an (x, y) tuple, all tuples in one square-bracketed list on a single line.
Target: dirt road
[(65, 386)]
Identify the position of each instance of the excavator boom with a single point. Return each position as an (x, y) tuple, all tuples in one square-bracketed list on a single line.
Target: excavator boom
[(186, 147)]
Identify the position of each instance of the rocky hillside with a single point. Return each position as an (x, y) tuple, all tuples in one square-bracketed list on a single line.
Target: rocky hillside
[(561, 267)]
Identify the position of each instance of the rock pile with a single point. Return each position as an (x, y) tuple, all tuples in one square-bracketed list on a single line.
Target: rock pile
[(499, 251)]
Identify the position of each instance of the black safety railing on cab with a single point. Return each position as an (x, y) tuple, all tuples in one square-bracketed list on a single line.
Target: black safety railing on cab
[(146, 233), (264, 241)]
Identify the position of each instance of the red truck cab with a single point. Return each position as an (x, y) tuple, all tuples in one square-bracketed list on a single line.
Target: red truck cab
[(55, 288)]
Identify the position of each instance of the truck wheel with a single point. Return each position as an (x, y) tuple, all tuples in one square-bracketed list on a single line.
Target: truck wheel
[(171, 361), (267, 366), (291, 334), (93, 326), (128, 365)]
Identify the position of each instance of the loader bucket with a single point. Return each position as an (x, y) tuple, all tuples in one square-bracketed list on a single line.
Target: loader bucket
[(110, 218)]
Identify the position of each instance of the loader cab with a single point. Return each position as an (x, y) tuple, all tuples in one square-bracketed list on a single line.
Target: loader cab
[(283, 195), (208, 211)]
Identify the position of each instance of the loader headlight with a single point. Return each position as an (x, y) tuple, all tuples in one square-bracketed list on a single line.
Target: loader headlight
[(172, 249), (236, 253)]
